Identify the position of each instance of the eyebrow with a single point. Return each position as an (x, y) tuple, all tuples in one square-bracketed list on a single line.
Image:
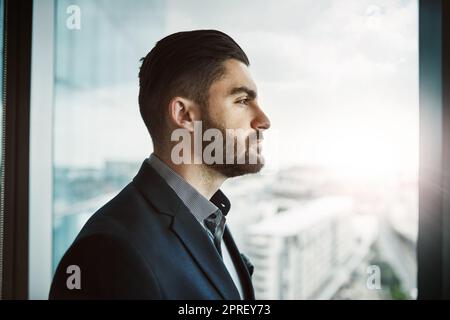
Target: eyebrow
[(251, 93)]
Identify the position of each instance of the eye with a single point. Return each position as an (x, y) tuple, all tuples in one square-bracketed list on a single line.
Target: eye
[(243, 101)]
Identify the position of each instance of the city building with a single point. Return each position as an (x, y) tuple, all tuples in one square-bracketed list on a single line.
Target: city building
[(307, 252)]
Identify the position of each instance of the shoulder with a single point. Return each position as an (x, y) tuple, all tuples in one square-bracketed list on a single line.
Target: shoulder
[(129, 215), (107, 266), (116, 248)]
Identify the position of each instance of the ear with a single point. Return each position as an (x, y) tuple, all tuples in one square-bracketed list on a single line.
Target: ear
[(183, 112)]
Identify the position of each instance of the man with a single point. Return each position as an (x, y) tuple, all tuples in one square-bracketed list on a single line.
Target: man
[(164, 236)]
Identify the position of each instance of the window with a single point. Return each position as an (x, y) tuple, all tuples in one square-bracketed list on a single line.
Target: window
[(335, 216)]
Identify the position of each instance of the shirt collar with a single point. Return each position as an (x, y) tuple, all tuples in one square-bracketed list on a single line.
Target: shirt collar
[(221, 201), (199, 206)]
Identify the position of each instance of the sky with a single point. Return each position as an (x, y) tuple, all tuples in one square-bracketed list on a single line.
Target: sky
[(338, 79)]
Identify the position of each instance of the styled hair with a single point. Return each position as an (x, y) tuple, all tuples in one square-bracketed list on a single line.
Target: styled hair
[(182, 64)]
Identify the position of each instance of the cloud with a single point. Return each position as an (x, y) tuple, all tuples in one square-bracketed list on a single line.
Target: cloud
[(321, 66)]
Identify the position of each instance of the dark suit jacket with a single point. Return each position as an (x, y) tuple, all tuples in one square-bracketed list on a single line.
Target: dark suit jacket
[(145, 244)]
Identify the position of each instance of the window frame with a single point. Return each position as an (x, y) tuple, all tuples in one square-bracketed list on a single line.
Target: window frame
[(24, 164), (433, 244), (15, 173), (41, 151)]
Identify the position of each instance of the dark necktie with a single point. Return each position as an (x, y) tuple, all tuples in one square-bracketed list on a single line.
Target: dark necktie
[(216, 224)]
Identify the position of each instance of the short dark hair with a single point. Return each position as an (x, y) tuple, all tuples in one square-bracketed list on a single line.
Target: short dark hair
[(184, 64)]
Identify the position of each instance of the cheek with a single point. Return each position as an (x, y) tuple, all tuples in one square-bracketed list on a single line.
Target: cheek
[(236, 117), (221, 114), (218, 119), (228, 115), (239, 118)]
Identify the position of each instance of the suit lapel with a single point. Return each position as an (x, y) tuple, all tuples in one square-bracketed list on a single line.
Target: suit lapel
[(203, 251), (244, 275), (189, 231)]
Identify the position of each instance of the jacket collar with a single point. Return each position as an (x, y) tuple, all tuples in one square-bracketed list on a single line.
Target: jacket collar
[(186, 227), (241, 265), (197, 204)]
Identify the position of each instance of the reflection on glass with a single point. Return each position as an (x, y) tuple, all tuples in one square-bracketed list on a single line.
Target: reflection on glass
[(334, 216)]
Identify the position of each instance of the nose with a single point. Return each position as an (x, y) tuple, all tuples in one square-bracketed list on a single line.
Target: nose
[(261, 121)]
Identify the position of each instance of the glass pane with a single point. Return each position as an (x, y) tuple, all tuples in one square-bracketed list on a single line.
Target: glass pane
[(334, 215)]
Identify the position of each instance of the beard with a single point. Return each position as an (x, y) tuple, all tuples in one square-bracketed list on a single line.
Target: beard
[(240, 165)]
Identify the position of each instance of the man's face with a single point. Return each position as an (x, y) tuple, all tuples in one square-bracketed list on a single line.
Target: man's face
[(233, 104)]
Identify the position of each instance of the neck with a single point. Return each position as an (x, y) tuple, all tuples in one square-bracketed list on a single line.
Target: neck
[(203, 178)]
